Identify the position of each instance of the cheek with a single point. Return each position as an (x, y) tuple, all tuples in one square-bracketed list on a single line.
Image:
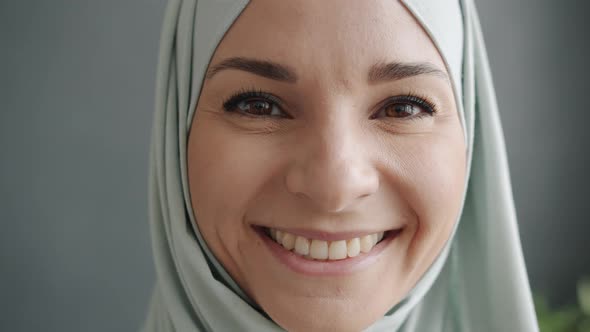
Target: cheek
[(225, 172), (434, 176), (440, 178)]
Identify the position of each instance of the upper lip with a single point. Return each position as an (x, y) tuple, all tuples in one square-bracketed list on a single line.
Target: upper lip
[(326, 235)]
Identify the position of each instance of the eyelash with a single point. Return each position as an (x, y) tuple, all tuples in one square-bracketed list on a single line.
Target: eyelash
[(230, 105)]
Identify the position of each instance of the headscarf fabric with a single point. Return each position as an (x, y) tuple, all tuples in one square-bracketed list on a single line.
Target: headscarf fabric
[(477, 283)]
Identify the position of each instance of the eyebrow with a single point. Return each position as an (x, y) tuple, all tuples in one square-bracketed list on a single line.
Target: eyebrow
[(394, 71), (380, 72), (262, 68)]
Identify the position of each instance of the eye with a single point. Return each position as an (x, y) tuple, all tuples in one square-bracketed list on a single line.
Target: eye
[(259, 107), (254, 104), (409, 107), (400, 110)]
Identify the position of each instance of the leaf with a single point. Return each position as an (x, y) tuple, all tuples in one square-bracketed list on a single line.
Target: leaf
[(584, 295)]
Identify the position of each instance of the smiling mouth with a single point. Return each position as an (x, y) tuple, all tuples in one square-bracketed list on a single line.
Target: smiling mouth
[(322, 250)]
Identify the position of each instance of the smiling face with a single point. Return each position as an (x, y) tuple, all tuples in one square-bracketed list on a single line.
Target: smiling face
[(326, 126)]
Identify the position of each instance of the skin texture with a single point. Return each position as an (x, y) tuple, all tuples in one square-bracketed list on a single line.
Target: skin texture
[(329, 166)]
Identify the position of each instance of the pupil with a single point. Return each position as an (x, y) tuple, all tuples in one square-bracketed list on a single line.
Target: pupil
[(400, 110), (260, 105)]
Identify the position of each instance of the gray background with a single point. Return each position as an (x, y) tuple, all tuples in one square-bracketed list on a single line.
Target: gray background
[(76, 101)]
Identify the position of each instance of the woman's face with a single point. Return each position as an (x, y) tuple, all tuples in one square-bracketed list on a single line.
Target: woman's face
[(322, 125)]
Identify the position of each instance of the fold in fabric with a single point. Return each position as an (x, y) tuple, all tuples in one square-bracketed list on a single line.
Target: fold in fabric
[(477, 283)]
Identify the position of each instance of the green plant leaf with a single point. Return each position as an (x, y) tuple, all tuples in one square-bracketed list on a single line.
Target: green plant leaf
[(584, 295)]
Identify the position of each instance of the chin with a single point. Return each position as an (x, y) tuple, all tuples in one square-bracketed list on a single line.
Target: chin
[(346, 304), (324, 315)]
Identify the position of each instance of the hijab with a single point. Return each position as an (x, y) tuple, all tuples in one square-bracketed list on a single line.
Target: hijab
[(477, 283)]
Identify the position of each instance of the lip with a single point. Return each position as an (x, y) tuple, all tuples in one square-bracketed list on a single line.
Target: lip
[(342, 267)]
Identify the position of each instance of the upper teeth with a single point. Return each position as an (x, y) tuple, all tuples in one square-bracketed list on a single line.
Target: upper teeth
[(319, 249)]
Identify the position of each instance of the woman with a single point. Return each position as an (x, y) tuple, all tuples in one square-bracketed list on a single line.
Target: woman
[(331, 166)]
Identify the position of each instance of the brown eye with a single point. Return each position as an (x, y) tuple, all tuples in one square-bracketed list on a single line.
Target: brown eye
[(405, 107), (255, 104), (257, 107), (401, 110)]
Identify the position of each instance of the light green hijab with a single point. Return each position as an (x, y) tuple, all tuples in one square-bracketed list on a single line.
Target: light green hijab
[(477, 283)]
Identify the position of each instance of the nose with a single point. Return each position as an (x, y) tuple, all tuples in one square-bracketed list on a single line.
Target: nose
[(333, 169)]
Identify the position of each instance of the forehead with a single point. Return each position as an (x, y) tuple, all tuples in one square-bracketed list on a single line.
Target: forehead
[(342, 35)]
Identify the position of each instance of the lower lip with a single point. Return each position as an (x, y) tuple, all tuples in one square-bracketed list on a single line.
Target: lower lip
[(318, 268)]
